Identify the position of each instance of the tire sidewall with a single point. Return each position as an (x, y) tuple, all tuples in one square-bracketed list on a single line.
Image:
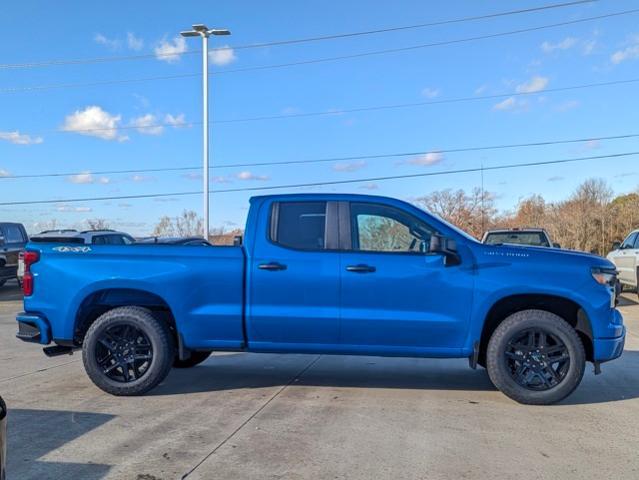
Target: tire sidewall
[(551, 323), (154, 331)]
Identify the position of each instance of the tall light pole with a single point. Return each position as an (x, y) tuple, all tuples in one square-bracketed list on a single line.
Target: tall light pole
[(204, 32)]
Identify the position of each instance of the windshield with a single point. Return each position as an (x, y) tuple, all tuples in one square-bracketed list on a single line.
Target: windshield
[(458, 230), (537, 239)]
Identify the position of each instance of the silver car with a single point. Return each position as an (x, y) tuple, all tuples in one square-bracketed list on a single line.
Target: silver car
[(625, 256)]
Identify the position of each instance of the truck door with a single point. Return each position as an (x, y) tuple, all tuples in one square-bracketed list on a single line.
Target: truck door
[(12, 240), (293, 291), (396, 297), (624, 259)]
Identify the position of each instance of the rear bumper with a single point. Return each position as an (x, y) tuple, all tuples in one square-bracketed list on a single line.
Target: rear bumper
[(33, 328)]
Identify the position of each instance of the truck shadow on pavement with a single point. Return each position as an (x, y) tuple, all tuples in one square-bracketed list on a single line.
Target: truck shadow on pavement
[(619, 381), (32, 434)]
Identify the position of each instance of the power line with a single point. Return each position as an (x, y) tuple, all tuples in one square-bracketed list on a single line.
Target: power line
[(425, 45), (334, 159), (354, 110), (82, 61), (319, 184), (317, 60)]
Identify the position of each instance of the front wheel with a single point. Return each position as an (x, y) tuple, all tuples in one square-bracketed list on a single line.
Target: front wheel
[(535, 357), (127, 351)]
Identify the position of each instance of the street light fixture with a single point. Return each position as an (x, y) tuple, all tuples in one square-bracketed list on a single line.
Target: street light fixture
[(203, 31)]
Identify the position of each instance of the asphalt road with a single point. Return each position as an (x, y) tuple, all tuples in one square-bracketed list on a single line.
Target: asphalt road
[(248, 416)]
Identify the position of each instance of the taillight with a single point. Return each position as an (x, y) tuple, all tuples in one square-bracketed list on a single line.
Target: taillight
[(29, 258)]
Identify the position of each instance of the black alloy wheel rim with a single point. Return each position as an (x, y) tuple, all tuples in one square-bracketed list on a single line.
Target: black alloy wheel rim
[(536, 359), (124, 353)]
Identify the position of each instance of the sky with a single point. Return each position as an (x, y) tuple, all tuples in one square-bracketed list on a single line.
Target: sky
[(146, 124)]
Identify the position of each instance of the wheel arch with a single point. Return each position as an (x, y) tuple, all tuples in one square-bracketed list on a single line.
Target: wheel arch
[(563, 307), (100, 301)]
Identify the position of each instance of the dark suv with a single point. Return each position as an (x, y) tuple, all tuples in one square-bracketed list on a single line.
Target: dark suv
[(13, 238)]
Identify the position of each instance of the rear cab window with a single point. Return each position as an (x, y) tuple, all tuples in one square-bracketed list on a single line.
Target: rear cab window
[(519, 238), (299, 225), (12, 234)]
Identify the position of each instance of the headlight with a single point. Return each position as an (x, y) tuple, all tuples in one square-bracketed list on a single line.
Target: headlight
[(604, 275)]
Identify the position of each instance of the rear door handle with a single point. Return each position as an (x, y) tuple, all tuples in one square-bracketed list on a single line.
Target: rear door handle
[(360, 268), (272, 266)]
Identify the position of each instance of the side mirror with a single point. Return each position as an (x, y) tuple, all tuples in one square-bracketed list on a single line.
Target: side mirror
[(556, 245), (446, 247), (616, 245)]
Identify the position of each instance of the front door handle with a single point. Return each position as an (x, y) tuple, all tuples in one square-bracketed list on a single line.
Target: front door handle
[(272, 266), (360, 268)]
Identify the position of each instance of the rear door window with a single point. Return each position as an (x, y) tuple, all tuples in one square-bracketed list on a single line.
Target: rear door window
[(299, 225), (13, 234), (630, 241)]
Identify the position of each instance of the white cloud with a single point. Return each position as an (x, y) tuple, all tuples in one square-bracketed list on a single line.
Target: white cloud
[(112, 43), (507, 104), (369, 186), (427, 159), (481, 89), (246, 175), (170, 51), (349, 166), (592, 144), (222, 55), (137, 178), (564, 44), (589, 46), (18, 138), (556, 178), (630, 52), (429, 92), (535, 84), (147, 125), (86, 178), (568, 105), (133, 42), (69, 208), (175, 120), (94, 122), (4, 173)]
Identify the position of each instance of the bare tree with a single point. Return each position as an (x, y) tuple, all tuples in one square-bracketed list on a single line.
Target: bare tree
[(187, 224), (471, 212), (97, 224)]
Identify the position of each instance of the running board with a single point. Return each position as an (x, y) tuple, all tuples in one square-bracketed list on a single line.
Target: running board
[(57, 350)]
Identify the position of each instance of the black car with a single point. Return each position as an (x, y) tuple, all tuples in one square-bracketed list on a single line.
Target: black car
[(3, 438), (13, 238)]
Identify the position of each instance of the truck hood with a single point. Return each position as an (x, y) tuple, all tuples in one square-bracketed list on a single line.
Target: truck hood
[(515, 253)]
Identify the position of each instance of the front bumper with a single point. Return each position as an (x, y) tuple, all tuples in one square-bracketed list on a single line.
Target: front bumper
[(33, 328), (607, 349)]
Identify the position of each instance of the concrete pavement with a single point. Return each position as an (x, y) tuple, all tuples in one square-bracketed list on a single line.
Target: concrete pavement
[(268, 416)]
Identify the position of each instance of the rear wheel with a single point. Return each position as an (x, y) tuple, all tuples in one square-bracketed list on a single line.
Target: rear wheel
[(535, 357), (127, 351), (195, 359)]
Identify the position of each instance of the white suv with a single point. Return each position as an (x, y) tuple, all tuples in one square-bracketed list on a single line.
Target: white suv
[(626, 258)]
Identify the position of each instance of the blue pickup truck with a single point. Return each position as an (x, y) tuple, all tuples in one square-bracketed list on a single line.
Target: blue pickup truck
[(330, 274)]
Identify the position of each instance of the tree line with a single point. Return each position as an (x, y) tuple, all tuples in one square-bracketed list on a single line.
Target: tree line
[(590, 219)]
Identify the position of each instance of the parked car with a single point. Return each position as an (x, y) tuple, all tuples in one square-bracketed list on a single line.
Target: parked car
[(89, 237), (330, 274), (197, 241), (3, 439), (13, 238), (625, 256), (536, 237)]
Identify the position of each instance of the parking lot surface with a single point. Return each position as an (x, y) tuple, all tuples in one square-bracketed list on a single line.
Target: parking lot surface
[(250, 416)]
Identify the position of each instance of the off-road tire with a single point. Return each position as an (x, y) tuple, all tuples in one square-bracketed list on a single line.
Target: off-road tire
[(159, 336), (497, 363), (195, 359)]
